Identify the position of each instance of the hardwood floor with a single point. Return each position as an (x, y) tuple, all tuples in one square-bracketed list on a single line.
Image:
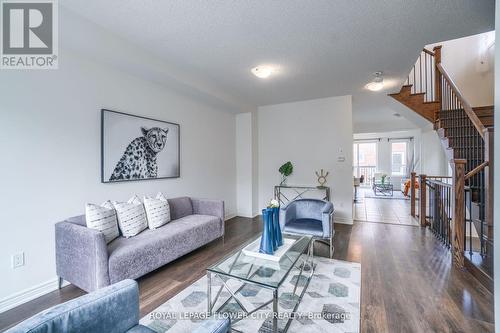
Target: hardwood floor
[(408, 283)]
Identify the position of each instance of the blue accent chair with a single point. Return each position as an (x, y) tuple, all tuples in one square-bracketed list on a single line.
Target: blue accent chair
[(114, 309), (309, 217)]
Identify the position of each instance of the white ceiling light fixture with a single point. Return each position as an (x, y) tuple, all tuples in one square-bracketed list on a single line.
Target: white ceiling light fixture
[(377, 82), (263, 71)]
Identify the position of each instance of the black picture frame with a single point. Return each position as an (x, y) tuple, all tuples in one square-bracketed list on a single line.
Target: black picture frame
[(106, 180)]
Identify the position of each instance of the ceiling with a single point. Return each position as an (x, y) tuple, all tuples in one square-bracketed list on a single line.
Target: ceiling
[(323, 47)]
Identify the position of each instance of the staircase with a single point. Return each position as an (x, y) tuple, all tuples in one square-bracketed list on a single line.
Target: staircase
[(458, 211)]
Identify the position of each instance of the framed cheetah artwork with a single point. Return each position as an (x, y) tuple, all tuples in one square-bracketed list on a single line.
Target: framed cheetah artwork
[(138, 148)]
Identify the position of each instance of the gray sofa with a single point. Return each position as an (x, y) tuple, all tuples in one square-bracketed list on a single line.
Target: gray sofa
[(84, 259)]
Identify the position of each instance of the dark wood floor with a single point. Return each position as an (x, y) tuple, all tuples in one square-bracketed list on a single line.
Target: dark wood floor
[(408, 283)]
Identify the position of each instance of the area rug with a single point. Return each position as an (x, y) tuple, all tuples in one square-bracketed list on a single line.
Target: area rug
[(331, 302), (397, 195)]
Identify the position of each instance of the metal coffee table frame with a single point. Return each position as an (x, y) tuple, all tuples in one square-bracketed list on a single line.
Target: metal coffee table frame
[(384, 189), (308, 259)]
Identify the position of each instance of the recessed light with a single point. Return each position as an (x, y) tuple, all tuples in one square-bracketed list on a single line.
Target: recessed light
[(263, 72), (396, 114), (377, 82)]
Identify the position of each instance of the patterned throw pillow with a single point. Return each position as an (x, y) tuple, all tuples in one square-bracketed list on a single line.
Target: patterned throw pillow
[(131, 216), (157, 211), (102, 218)]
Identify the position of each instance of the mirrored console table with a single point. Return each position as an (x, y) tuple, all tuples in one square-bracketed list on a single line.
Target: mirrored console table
[(286, 193)]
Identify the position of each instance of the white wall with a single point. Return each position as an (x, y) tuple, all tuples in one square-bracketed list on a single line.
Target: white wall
[(461, 58), (244, 164), (312, 135), (50, 143), (496, 230), (434, 161)]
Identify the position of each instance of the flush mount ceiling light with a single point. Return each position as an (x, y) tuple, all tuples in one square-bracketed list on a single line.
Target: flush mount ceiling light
[(377, 82), (263, 72)]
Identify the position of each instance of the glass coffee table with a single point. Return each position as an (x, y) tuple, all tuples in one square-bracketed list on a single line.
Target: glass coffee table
[(237, 271), (383, 189)]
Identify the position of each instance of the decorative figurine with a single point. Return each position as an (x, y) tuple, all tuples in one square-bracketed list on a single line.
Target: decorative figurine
[(322, 178)]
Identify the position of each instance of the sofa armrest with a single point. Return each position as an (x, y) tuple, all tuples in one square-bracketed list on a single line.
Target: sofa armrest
[(209, 207), (81, 256), (111, 309)]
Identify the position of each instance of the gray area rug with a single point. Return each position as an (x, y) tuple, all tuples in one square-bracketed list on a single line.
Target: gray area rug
[(331, 302)]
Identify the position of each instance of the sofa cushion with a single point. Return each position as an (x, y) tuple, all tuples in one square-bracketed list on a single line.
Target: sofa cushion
[(131, 216), (180, 207), (151, 249), (102, 218), (157, 211)]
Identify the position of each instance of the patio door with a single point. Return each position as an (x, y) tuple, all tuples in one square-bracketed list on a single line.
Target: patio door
[(365, 160)]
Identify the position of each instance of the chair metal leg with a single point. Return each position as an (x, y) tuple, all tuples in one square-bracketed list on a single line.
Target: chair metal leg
[(331, 248), (59, 282)]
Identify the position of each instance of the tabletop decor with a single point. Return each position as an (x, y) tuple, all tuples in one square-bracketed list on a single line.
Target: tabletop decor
[(278, 237), (322, 178), (271, 234), (285, 170)]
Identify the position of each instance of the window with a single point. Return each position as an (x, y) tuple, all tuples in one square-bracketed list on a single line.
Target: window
[(399, 157), (365, 160)]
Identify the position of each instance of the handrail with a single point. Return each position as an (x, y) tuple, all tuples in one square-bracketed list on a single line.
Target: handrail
[(466, 106), (431, 181), (428, 52), (438, 176), (476, 170)]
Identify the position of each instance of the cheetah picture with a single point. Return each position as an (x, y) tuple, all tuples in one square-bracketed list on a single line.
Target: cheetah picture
[(135, 148), (139, 159)]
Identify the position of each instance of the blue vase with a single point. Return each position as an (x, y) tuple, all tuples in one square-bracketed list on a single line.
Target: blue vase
[(266, 241), (278, 237)]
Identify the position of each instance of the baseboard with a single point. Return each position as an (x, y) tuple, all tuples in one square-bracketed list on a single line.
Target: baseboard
[(250, 216), (229, 216), (342, 220), (29, 294)]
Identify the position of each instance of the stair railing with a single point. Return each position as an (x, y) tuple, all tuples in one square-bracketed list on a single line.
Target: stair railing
[(472, 167), (422, 76)]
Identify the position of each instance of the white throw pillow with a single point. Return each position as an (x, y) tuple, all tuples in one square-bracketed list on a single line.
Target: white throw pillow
[(157, 211), (102, 218), (131, 216)]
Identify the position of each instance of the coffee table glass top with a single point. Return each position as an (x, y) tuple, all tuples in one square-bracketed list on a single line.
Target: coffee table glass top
[(260, 271)]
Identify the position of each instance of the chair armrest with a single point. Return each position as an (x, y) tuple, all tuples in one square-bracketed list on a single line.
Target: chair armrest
[(214, 326), (209, 207), (287, 214), (111, 309), (81, 256), (326, 216)]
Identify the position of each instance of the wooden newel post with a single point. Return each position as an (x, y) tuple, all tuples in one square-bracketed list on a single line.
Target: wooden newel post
[(437, 77), (412, 193), (488, 153), (423, 201), (458, 222)]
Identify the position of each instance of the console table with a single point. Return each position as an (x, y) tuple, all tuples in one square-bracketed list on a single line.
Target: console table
[(298, 192)]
